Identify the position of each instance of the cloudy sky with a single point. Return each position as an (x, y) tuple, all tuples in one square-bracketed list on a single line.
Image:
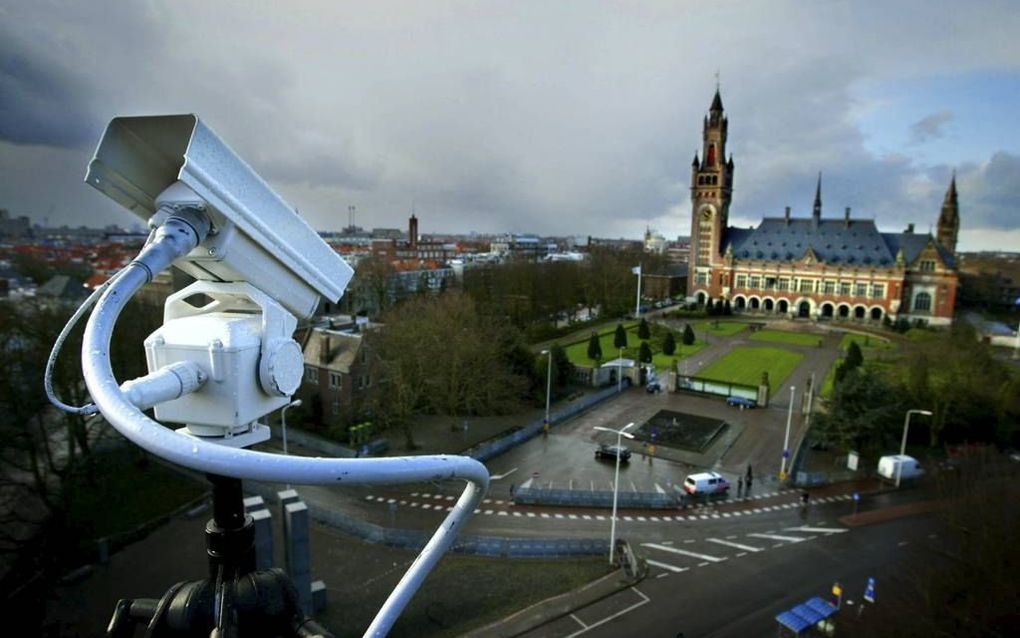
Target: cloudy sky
[(559, 118)]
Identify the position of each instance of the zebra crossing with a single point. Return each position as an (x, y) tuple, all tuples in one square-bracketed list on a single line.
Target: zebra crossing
[(701, 552), (498, 507)]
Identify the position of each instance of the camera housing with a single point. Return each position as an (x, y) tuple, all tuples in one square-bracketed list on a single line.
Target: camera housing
[(256, 237)]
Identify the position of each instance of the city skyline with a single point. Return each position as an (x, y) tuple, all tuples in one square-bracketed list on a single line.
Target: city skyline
[(558, 120)]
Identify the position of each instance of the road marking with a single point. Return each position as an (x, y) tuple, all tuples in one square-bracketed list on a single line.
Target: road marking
[(488, 512), (688, 540), (902, 543), (578, 621), (572, 517), (642, 519), (741, 554), (818, 530), (726, 515), (558, 515), (627, 518), (663, 575), (644, 600), (426, 506), (672, 568), (501, 513), (732, 544), (600, 517), (683, 552), (391, 501), (518, 514), (450, 498), (530, 514), (586, 517), (544, 515), (777, 537)]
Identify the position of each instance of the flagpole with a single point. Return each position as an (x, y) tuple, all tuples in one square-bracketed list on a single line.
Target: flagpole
[(637, 304)]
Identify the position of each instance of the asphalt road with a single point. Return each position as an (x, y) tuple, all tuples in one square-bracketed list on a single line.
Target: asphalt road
[(732, 581)]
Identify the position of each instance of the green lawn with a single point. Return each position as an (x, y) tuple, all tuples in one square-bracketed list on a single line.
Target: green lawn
[(792, 338), (577, 352), (719, 328), (865, 342), (744, 365), (829, 382)]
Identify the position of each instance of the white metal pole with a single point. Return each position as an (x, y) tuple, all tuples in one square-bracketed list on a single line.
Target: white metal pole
[(283, 420), (786, 438), (548, 385), (903, 443), (637, 304), (616, 491)]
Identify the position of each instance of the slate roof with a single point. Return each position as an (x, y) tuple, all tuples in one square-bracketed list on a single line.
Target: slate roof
[(833, 241)]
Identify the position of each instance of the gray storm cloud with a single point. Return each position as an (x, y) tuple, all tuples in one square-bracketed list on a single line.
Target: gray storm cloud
[(544, 117)]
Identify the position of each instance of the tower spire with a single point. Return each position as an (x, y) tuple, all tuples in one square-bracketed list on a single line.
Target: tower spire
[(816, 213), (948, 228)]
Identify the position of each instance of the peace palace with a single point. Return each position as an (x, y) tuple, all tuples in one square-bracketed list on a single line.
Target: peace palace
[(831, 268)]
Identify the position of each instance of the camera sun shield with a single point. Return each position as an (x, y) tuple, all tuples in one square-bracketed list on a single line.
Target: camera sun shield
[(257, 237)]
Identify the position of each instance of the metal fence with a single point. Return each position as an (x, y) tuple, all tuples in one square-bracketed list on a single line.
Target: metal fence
[(416, 539), (718, 388), (489, 449), (592, 498)]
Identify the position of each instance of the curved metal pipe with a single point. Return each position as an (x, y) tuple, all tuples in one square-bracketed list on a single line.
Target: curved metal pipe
[(208, 457)]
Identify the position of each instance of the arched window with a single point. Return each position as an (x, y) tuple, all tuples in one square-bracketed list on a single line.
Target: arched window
[(710, 157), (922, 302)]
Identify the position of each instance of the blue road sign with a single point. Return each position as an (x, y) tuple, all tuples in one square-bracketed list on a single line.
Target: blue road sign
[(857, 496), (786, 454), (869, 591)]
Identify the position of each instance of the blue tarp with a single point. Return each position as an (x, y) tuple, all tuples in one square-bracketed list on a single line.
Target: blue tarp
[(807, 614)]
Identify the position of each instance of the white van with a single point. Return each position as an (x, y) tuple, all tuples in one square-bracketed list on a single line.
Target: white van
[(706, 483), (907, 466)]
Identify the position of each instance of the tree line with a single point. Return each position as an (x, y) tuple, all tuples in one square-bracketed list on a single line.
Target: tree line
[(973, 396)]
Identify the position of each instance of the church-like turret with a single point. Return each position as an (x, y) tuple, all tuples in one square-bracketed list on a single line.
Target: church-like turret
[(949, 219)]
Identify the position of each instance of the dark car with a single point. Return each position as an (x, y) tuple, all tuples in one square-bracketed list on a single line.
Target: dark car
[(612, 452), (653, 388), (740, 402)]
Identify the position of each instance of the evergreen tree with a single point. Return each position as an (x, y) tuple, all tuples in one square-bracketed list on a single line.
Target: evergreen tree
[(727, 309), (594, 347), (645, 353), (669, 344), (854, 358), (688, 338), (642, 331), (563, 370), (710, 307), (620, 338)]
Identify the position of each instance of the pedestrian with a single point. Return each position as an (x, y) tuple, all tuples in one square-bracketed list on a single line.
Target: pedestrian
[(747, 492), (740, 486), (749, 476), (804, 497)]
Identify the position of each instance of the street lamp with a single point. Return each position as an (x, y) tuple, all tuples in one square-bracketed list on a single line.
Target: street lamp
[(786, 438), (548, 386), (283, 424), (622, 432), (903, 445)]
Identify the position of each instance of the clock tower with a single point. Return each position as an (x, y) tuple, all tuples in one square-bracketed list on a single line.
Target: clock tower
[(711, 191)]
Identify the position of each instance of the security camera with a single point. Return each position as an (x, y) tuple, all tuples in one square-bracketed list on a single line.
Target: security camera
[(219, 365), (154, 162)]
